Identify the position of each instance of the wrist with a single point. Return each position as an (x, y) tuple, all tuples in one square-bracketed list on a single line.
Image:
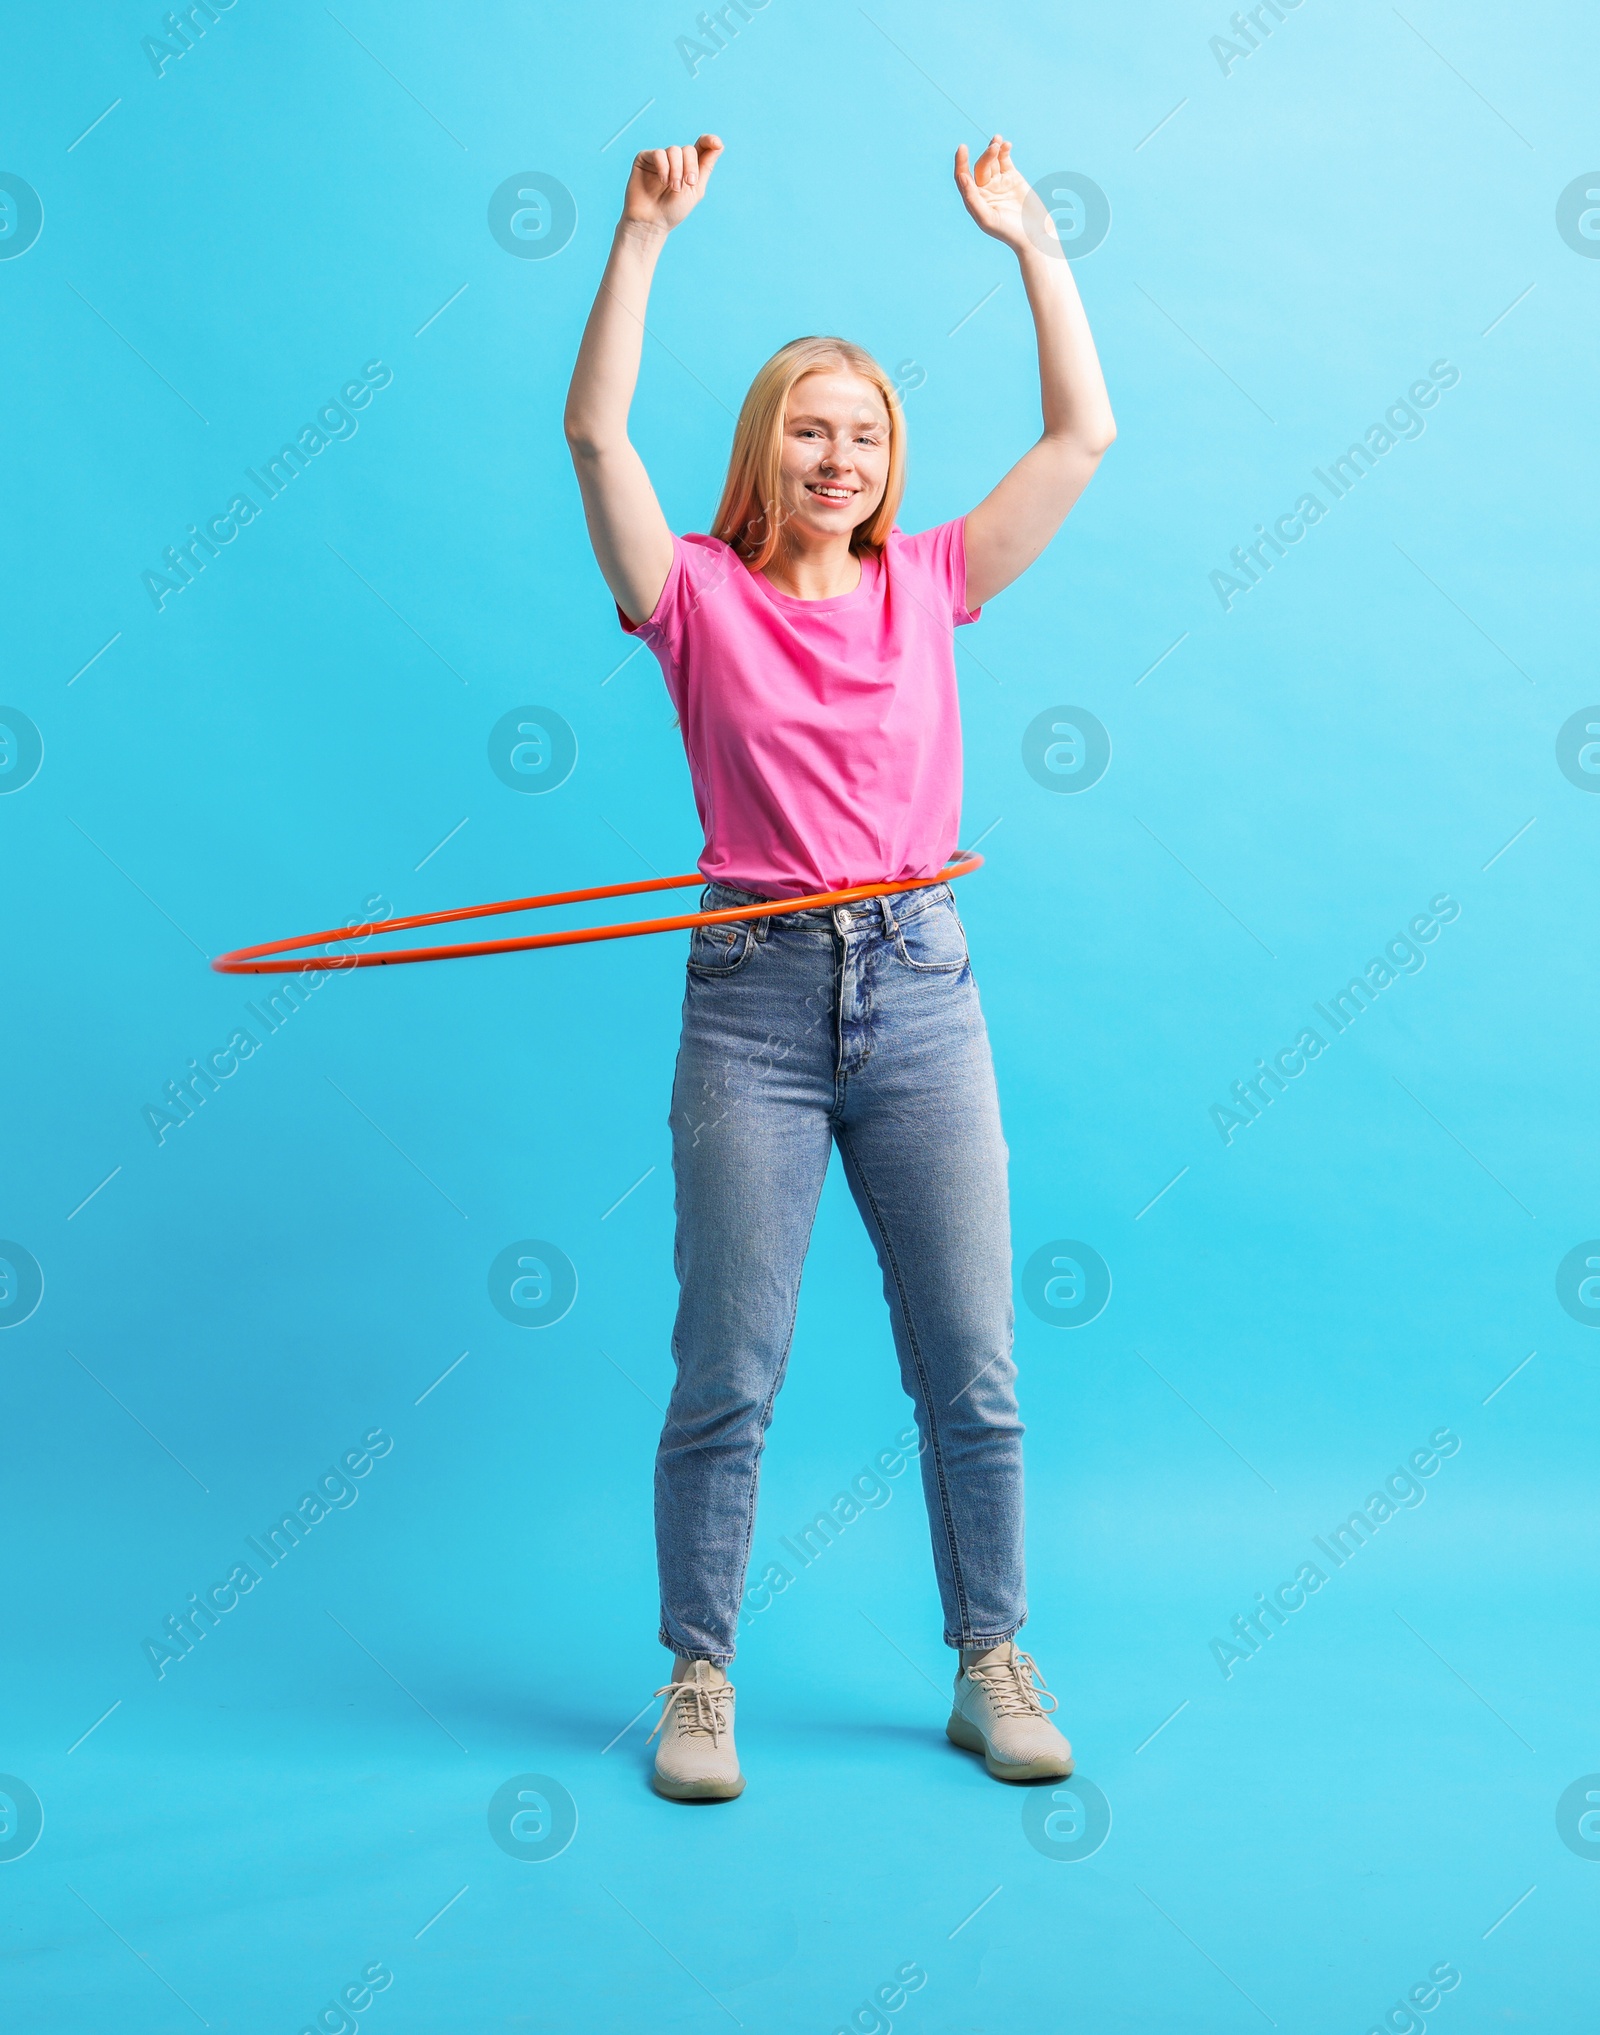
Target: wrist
[(1040, 252), (646, 233)]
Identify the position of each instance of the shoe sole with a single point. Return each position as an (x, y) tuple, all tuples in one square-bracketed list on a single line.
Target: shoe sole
[(1050, 1767), (697, 1791)]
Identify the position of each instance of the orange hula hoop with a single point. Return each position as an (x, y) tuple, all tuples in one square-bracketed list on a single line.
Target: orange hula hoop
[(254, 961)]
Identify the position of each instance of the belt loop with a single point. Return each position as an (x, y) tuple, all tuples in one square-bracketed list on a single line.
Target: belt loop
[(886, 914)]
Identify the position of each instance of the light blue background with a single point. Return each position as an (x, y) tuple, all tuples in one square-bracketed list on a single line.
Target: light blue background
[(300, 729)]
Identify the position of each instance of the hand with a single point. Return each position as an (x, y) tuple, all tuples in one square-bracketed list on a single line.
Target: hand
[(666, 184), (1001, 200)]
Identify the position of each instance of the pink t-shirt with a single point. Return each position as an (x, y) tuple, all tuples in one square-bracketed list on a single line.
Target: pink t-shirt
[(823, 737)]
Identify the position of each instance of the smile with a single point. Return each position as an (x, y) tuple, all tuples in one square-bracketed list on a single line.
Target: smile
[(826, 492)]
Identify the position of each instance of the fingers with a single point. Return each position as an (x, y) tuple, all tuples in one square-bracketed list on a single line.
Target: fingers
[(680, 168), (995, 160)]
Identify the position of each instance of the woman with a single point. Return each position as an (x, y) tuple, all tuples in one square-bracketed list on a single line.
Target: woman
[(808, 647)]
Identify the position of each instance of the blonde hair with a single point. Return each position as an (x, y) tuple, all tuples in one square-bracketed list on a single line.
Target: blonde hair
[(749, 516)]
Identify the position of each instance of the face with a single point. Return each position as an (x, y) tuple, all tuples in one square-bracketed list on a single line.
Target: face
[(835, 454)]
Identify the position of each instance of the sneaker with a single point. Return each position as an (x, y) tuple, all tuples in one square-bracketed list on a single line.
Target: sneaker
[(696, 1760), (999, 1710)]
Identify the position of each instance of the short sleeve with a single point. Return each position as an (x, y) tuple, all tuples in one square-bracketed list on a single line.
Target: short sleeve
[(699, 566), (939, 555)]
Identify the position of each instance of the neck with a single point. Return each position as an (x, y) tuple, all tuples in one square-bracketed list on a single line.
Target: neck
[(815, 572)]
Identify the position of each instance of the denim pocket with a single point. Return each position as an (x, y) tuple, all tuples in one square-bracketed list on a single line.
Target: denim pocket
[(720, 950), (934, 942)]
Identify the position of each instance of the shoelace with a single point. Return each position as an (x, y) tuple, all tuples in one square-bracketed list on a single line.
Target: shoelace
[(1014, 1687), (705, 1700)]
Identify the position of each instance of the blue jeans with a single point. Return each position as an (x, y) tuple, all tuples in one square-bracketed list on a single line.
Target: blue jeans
[(856, 1026)]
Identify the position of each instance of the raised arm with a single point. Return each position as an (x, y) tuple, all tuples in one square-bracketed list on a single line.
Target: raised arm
[(632, 543), (1017, 518)]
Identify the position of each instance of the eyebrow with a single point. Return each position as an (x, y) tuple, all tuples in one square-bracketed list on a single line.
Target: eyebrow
[(810, 417)]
